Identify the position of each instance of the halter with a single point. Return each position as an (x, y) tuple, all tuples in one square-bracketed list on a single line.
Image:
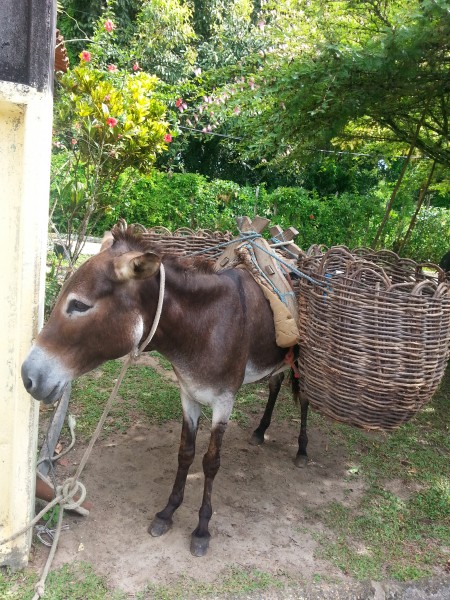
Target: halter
[(162, 286)]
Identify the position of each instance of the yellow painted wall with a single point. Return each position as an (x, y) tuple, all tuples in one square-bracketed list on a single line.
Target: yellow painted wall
[(25, 143)]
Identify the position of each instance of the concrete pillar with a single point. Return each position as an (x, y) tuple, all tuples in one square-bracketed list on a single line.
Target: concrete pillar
[(27, 31)]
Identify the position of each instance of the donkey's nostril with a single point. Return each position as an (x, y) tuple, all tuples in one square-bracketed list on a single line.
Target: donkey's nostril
[(28, 383)]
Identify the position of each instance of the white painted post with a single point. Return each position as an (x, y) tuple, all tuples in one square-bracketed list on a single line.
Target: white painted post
[(25, 144)]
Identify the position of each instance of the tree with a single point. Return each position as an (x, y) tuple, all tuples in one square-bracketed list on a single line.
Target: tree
[(374, 81)]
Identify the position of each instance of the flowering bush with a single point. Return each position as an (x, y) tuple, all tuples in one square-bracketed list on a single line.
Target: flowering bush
[(106, 121)]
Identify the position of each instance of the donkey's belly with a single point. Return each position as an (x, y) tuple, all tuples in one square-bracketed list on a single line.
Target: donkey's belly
[(255, 373)]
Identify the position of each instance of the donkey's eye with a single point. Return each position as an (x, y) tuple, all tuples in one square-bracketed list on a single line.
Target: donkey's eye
[(77, 306)]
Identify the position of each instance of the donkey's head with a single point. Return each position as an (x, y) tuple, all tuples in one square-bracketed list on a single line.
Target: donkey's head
[(98, 317)]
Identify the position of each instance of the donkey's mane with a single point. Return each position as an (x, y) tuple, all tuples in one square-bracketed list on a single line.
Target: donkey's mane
[(135, 238)]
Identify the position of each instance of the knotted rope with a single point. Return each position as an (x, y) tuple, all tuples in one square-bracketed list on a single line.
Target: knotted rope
[(71, 487)]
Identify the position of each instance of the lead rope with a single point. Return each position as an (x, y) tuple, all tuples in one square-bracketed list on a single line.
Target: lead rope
[(71, 486)]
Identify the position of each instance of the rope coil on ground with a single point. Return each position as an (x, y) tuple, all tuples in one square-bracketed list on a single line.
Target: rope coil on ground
[(68, 491)]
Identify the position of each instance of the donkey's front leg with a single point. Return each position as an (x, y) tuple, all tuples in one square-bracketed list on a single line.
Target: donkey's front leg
[(163, 520), (211, 463)]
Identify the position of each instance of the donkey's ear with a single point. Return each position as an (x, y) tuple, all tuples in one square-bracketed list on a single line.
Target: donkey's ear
[(132, 265), (146, 265), (107, 241)]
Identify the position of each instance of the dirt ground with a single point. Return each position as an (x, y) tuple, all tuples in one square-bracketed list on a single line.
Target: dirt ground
[(261, 503)]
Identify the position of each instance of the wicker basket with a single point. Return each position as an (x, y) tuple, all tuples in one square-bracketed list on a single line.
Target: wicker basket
[(187, 242), (375, 335)]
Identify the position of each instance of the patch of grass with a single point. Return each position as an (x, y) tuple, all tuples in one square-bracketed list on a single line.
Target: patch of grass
[(236, 582), (157, 398), (417, 451), (143, 394), (252, 398), (387, 536), (70, 582)]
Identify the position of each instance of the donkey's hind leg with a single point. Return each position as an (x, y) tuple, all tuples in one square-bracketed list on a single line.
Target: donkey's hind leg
[(274, 387), (301, 460), (163, 519)]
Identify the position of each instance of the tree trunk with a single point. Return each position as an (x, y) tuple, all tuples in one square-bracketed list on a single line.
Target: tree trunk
[(420, 200), (397, 185)]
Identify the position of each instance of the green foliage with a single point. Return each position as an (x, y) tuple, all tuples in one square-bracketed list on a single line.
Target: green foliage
[(107, 122), (430, 239), (183, 200), (308, 93), (176, 200), (168, 51), (110, 115), (323, 98)]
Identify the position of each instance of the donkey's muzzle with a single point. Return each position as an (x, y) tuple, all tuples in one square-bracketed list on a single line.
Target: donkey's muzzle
[(43, 377)]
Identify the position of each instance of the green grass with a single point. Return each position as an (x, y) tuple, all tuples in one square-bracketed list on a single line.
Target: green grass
[(235, 581), (78, 581), (70, 582), (144, 394), (385, 535)]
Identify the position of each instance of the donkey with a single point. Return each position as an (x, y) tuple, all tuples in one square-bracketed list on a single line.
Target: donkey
[(215, 328)]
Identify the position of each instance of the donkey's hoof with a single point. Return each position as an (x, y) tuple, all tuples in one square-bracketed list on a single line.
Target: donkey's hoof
[(300, 461), (159, 527), (199, 545), (257, 439)]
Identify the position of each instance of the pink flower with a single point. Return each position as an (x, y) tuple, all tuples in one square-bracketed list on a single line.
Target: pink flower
[(168, 138), (74, 142), (107, 98), (112, 68), (109, 25), (237, 110), (111, 122), (136, 66), (86, 56), (178, 102), (311, 217)]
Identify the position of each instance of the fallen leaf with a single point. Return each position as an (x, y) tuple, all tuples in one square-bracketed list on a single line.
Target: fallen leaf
[(81, 547), (353, 471)]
